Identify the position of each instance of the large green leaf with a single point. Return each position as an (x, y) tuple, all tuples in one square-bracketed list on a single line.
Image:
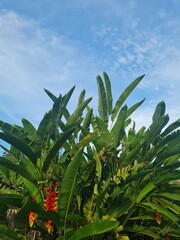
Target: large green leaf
[(108, 92), (28, 127), (67, 96), (59, 143), (102, 100), (87, 121), (17, 169), (94, 228), (68, 185), (81, 97), (54, 117), (41, 133), (20, 145), (145, 191), (77, 113), (124, 96), (155, 129), (159, 111), (171, 149), (34, 191), (118, 128), (171, 128), (173, 217)]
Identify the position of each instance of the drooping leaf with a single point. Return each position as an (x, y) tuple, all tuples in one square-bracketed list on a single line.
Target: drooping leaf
[(20, 145), (162, 210), (94, 228), (17, 169)]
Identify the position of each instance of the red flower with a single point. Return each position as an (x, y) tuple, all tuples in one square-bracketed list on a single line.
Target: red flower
[(31, 218), (167, 237), (158, 218), (50, 203), (49, 226)]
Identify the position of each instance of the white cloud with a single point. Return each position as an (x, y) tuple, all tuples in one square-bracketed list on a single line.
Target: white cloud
[(33, 58)]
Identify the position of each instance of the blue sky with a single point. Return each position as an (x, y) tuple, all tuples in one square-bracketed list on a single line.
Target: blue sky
[(56, 44)]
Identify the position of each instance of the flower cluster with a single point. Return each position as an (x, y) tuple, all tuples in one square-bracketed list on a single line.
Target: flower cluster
[(50, 203)]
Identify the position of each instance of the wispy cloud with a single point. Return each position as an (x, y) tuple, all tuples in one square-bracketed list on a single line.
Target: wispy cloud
[(33, 58), (70, 43)]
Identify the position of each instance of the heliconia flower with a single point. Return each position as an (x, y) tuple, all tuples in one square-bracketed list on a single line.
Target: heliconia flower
[(49, 226), (31, 218), (158, 218), (50, 203)]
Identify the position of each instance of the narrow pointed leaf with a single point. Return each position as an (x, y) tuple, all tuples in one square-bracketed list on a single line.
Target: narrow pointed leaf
[(102, 100), (124, 96), (81, 97), (67, 96), (54, 117), (133, 108), (54, 98)]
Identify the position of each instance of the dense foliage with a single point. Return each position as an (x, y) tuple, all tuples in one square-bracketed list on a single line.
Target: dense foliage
[(82, 176)]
